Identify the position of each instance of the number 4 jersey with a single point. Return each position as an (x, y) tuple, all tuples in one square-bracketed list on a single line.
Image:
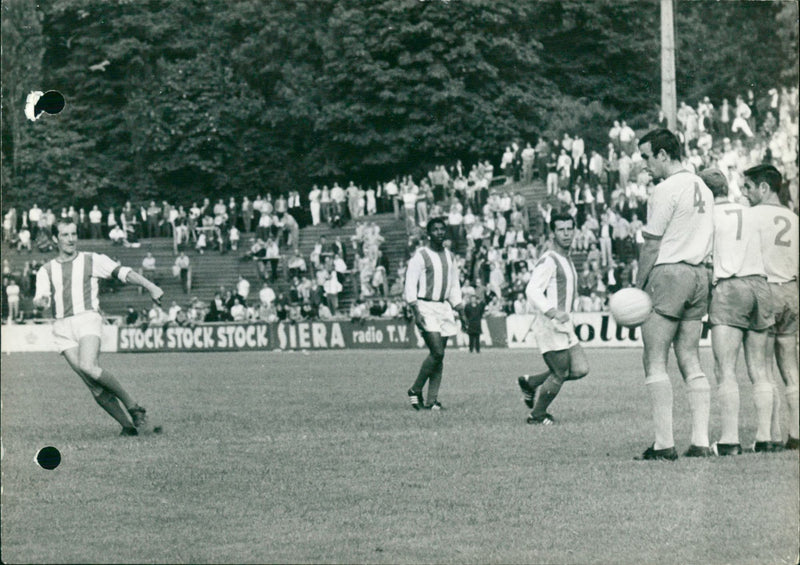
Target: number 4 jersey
[(779, 242), (681, 212)]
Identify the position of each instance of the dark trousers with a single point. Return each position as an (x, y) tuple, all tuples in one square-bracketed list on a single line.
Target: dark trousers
[(475, 343)]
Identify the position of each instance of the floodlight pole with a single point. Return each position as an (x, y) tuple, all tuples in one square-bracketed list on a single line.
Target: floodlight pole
[(668, 92)]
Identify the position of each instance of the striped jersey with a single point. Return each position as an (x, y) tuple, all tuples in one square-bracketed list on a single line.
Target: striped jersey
[(432, 276), (553, 283), (72, 285), (779, 244), (737, 242)]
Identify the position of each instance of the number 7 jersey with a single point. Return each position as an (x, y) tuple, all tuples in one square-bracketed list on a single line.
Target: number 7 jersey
[(779, 241), (737, 242)]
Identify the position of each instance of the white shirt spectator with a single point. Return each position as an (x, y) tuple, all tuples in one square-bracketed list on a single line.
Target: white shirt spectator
[(266, 295), (243, 288)]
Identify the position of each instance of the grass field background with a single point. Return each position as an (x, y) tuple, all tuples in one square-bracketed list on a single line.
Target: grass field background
[(291, 457)]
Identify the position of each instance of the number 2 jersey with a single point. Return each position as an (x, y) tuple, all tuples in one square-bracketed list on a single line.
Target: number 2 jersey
[(779, 241), (681, 212)]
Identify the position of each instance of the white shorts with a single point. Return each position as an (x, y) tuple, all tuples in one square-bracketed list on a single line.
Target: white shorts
[(69, 331), (438, 317), (552, 335)]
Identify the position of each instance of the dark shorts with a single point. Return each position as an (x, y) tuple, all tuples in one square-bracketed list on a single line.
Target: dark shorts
[(785, 306), (679, 290), (744, 303)]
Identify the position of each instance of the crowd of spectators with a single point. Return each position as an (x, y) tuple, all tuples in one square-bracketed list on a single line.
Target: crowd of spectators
[(496, 234)]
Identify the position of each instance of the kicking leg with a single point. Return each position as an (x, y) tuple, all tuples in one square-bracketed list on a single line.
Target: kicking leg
[(578, 364), (88, 354), (105, 399), (558, 361)]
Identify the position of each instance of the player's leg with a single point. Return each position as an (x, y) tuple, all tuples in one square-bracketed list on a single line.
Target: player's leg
[(687, 352), (528, 385), (772, 374), (786, 355), (755, 347), (657, 335), (426, 371), (558, 362), (578, 364), (437, 345), (725, 344), (105, 399), (88, 354)]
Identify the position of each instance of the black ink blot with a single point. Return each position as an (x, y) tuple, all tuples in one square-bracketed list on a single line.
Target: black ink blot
[(48, 458)]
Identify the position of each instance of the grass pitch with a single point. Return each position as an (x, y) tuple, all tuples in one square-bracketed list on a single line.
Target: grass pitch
[(291, 457)]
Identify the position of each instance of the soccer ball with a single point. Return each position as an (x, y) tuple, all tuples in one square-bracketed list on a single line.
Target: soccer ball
[(630, 307)]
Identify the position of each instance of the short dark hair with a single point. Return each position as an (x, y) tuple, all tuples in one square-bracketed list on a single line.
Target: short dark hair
[(663, 139), (768, 174), (560, 217), (436, 220), (715, 180), (64, 220)]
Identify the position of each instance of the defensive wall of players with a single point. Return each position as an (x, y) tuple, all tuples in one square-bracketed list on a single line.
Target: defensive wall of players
[(593, 329)]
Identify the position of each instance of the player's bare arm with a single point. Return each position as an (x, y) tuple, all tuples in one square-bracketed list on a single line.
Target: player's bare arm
[(647, 257), (135, 278), (417, 316), (461, 316)]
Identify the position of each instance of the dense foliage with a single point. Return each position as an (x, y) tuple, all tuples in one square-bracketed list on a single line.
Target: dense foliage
[(204, 97)]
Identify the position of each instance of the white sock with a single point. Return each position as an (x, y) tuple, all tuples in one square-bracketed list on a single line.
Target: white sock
[(793, 401), (728, 393), (660, 389), (762, 397), (775, 425), (700, 404)]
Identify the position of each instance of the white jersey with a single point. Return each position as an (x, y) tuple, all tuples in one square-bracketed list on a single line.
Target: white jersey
[(432, 276), (779, 244), (680, 212), (73, 286), (737, 242), (553, 283)]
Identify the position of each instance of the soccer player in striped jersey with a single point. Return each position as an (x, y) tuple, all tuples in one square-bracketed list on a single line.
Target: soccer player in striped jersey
[(552, 289), (740, 313), (69, 284), (432, 290), (779, 248), (679, 236)]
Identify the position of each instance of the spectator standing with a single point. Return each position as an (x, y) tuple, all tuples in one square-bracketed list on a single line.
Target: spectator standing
[(12, 297), (96, 222), (153, 214), (35, 215), (314, 204), (182, 263), (247, 214)]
